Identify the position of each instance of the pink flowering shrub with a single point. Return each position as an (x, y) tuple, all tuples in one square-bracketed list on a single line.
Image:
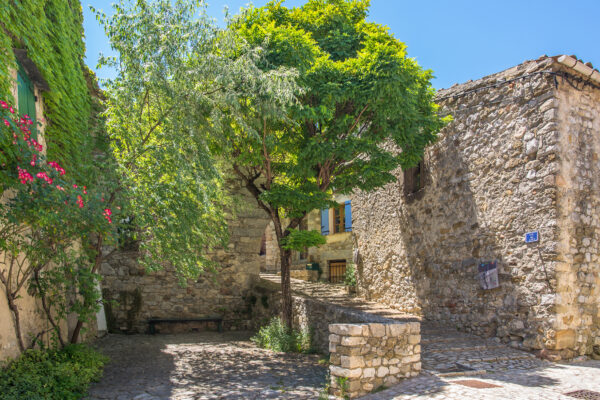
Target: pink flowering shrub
[(43, 214), (39, 176)]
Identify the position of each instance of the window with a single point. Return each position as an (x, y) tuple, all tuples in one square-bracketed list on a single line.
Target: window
[(26, 96), (341, 219), (414, 179), (338, 219)]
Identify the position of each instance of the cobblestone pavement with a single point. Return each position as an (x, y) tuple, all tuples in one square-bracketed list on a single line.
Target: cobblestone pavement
[(203, 365), (549, 382), (447, 352)]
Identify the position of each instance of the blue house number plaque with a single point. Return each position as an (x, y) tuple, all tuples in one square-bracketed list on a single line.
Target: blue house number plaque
[(531, 237)]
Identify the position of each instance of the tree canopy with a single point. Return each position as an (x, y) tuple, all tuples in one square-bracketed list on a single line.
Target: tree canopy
[(361, 109)]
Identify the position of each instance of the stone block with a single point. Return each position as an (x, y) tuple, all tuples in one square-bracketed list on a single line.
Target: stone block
[(395, 330), (346, 329), (348, 350), (368, 373), (382, 372), (377, 330), (390, 380), (345, 372), (332, 347), (414, 327), (414, 339), (565, 339), (353, 341), (352, 362), (333, 338)]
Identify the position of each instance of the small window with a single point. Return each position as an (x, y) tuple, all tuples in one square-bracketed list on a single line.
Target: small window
[(414, 179), (26, 96), (338, 219)]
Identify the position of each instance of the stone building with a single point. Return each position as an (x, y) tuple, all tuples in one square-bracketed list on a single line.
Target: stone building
[(328, 262), (134, 295), (521, 156)]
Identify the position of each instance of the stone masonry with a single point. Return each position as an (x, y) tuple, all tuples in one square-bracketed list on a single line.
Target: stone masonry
[(134, 295), (521, 155), (368, 347), (365, 357)]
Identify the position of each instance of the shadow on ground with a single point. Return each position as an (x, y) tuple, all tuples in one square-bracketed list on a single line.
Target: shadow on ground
[(203, 366)]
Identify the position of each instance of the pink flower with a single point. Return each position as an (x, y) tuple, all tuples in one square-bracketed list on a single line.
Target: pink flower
[(75, 186), (3, 104), (33, 159), (84, 190), (12, 110), (6, 122), (58, 168), (24, 176), (44, 176), (107, 213), (79, 201), (60, 188)]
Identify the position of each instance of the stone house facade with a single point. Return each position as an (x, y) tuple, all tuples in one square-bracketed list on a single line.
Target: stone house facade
[(521, 156), (328, 261), (27, 87)]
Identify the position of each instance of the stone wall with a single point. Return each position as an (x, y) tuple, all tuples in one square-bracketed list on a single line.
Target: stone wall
[(366, 350), (138, 295), (577, 300), (495, 173), (365, 357), (309, 313), (271, 261)]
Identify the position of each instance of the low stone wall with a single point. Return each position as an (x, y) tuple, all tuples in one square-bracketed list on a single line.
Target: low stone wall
[(366, 350), (364, 357), (309, 313)]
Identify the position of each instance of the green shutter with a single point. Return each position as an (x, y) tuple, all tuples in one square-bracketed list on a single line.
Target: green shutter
[(26, 96)]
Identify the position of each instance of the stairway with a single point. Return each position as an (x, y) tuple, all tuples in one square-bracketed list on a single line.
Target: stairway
[(447, 352)]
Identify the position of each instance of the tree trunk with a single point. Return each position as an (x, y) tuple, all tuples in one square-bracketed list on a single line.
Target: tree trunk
[(17, 321), (47, 308), (97, 262), (286, 290)]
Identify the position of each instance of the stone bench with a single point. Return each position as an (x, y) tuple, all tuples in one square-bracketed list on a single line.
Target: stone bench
[(214, 318)]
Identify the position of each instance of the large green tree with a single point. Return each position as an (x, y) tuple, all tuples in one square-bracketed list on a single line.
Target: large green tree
[(176, 73), (363, 109)]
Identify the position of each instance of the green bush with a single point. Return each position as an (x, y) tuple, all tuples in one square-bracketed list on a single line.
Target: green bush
[(51, 374), (276, 336), (350, 275)]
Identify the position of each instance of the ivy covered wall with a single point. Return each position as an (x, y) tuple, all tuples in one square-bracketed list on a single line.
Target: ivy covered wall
[(52, 33)]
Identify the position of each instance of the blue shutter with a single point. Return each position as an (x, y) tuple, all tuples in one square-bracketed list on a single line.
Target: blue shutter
[(325, 222), (347, 216)]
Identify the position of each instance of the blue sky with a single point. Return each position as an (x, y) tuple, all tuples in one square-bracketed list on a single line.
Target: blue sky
[(459, 40)]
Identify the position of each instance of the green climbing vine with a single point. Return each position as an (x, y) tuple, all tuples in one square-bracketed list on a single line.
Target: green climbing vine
[(52, 33)]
